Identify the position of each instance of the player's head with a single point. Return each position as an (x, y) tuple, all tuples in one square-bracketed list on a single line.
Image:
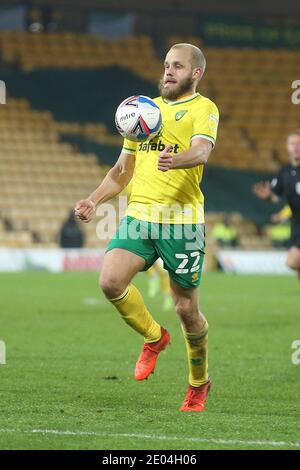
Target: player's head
[(184, 67), (293, 146)]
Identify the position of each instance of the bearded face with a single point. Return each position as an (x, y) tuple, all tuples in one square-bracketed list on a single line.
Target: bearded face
[(172, 89), (180, 76)]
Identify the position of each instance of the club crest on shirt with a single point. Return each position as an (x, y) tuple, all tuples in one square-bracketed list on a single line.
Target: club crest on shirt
[(180, 114)]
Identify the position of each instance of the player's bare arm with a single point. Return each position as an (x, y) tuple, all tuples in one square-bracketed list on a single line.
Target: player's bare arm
[(197, 154), (114, 182), (263, 191)]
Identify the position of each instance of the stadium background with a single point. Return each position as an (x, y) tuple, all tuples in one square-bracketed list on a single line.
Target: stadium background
[(66, 66)]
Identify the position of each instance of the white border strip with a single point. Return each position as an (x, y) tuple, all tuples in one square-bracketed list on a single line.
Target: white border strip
[(195, 136), (154, 437)]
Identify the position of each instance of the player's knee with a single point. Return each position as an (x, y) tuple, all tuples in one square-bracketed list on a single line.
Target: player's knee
[(184, 308), (189, 314), (111, 286)]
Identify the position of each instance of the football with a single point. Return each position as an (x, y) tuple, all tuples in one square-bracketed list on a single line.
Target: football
[(138, 118)]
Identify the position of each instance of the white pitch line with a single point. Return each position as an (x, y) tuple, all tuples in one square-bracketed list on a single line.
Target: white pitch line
[(153, 437)]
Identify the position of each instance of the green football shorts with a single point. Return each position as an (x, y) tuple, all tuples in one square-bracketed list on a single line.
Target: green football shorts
[(181, 247)]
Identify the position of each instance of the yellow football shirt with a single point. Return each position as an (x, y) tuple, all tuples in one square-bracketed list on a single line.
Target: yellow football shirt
[(173, 196)]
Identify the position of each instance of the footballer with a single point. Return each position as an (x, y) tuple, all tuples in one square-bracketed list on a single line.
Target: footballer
[(287, 185), (164, 218)]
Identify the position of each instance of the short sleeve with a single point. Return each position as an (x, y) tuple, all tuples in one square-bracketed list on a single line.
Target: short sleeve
[(129, 147), (277, 184), (206, 123)]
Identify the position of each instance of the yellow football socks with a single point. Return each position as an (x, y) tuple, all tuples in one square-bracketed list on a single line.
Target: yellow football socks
[(132, 308), (197, 350)]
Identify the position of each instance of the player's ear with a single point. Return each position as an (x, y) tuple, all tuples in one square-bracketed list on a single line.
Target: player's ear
[(197, 74)]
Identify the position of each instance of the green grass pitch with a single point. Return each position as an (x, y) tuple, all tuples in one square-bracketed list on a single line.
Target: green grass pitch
[(68, 381)]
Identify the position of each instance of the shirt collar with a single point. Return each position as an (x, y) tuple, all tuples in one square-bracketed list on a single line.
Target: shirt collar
[(188, 98)]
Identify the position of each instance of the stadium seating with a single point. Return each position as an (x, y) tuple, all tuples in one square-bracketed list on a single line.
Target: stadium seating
[(251, 87), (40, 177)]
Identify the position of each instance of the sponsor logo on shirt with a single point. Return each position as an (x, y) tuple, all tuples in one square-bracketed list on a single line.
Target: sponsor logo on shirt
[(159, 146)]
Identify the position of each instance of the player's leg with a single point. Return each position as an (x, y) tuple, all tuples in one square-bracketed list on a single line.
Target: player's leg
[(195, 331), (119, 267), (129, 252), (293, 259), (183, 255)]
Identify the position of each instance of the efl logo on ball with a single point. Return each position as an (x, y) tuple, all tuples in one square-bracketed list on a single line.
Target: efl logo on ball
[(138, 118)]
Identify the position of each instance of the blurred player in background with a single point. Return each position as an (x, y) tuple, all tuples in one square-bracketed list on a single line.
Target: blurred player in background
[(287, 184), (165, 174), (158, 283)]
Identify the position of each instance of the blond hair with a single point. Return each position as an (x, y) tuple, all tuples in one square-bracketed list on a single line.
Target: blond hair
[(197, 56)]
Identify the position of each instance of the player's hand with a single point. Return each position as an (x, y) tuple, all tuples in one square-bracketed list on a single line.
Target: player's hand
[(85, 210), (262, 190), (165, 159)]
